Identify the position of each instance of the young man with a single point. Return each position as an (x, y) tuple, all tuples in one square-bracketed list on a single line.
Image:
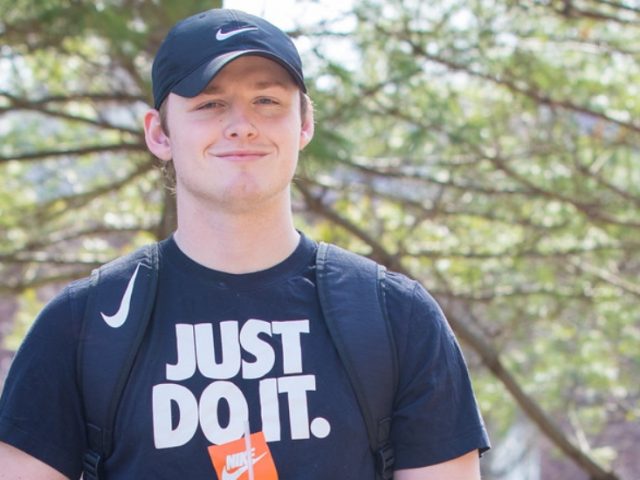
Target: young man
[(237, 376)]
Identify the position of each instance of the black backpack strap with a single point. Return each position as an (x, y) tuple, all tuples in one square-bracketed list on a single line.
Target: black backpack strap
[(351, 289), (119, 306)]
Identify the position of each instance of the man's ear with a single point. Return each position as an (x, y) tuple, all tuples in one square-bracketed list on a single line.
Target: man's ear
[(157, 140), (308, 127)]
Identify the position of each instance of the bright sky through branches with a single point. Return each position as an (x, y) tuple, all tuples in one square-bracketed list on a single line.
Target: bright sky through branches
[(287, 14)]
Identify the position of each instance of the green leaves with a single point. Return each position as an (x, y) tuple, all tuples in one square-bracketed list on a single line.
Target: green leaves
[(76, 174), (493, 156)]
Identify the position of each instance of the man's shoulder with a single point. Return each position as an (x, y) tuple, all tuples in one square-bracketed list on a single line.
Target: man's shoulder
[(411, 307), (399, 285), (402, 284)]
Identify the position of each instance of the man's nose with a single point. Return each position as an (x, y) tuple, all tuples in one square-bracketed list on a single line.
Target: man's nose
[(240, 124)]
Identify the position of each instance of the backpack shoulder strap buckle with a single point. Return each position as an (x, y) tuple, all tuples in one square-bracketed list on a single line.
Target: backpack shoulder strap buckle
[(92, 466), (385, 460)]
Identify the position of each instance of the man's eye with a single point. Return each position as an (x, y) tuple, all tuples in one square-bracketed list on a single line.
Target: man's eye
[(209, 106), (266, 101)]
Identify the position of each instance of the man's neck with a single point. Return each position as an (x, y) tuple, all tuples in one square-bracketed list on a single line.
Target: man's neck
[(237, 243)]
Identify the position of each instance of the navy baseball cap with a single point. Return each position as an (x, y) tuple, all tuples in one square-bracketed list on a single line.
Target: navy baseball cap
[(198, 47)]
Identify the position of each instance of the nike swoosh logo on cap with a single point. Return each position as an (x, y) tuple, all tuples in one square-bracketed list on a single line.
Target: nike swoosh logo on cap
[(226, 475), (117, 319), (222, 36)]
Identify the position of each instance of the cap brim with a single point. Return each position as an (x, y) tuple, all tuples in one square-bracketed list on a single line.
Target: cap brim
[(195, 82)]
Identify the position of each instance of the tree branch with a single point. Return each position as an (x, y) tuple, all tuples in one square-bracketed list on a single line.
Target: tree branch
[(606, 276), (461, 318), (17, 103), (97, 97), (74, 152), (316, 205), (511, 84), (590, 210)]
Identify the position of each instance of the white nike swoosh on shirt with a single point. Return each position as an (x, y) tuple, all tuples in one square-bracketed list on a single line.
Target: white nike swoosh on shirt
[(233, 476), (222, 36), (117, 319)]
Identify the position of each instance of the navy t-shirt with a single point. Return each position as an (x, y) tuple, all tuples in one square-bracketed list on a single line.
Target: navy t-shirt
[(223, 349)]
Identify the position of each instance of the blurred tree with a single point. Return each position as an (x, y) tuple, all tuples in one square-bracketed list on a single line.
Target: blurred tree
[(491, 150), (487, 148), (78, 181)]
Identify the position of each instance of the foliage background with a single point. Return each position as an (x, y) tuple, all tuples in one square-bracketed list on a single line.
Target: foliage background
[(488, 148)]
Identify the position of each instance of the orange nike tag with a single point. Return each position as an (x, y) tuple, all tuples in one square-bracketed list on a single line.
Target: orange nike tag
[(232, 461)]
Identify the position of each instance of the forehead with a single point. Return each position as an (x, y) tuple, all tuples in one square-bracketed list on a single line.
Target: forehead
[(255, 71)]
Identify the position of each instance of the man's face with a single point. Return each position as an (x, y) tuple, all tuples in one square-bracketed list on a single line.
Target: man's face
[(235, 146)]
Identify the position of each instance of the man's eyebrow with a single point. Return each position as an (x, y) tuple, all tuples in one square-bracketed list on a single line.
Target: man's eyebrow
[(270, 83), (211, 88)]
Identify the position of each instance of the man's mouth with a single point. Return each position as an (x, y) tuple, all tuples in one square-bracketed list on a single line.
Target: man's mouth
[(241, 155)]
